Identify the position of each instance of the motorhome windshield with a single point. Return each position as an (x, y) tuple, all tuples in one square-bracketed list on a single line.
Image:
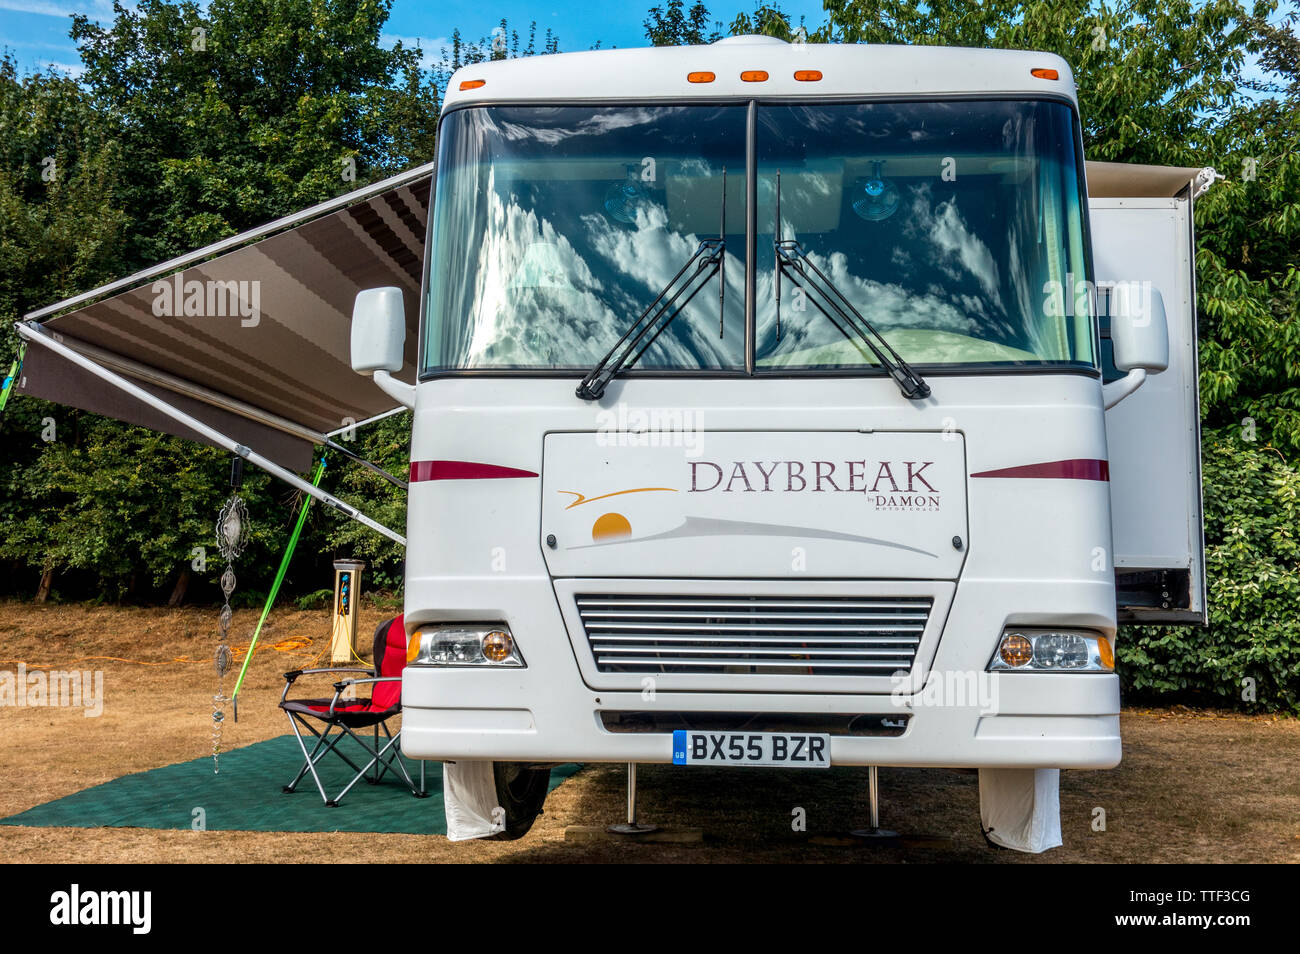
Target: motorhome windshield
[(554, 228), (955, 227)]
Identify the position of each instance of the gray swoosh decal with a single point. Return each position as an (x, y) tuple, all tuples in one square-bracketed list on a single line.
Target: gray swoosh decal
[(713, 527)]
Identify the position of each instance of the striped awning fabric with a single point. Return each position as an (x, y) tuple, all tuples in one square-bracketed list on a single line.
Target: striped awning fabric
[(265, 321)]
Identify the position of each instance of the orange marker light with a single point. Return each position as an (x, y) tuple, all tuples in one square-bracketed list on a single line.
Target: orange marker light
[(1106, 653), (1045, 74), (807, 76), (701, 77), (754, 76), (472, 84)]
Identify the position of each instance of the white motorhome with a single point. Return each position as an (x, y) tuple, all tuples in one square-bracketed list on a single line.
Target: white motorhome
[(774, 405)]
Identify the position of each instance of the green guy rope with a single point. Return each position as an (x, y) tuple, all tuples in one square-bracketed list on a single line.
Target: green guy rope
[(12, 376), (275, 587)]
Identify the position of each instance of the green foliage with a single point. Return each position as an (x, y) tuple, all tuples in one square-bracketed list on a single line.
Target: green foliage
[(503, 44), (674, 25), (61, 215), (386, 443), (1252, 499), (127, 506), (250, 110), (317, 599)]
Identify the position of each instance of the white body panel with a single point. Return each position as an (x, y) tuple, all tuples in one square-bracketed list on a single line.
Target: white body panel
[(1154, 434), (661, 73), (477, 552)]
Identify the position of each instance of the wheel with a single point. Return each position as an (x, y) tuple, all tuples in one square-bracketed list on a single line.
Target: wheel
[(520, 793)]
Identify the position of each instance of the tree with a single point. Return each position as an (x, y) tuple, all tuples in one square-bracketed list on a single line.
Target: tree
[(673, 25), (190, 125), (503, 44), (250, 110)]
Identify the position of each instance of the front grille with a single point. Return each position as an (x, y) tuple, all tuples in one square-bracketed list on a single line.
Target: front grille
[(759, 635)]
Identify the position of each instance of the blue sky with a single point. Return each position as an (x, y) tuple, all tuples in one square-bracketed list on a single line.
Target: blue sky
[(36, 31)]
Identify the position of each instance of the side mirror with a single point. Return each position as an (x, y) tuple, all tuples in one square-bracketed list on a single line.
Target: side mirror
[(1138, 329), (1139, 334), (378, 331), (379, 339)]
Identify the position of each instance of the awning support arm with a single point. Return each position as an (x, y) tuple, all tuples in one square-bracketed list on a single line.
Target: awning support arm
[(33, 332), (142, 372)]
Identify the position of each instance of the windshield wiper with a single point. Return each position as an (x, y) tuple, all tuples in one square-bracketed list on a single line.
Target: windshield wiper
[(793, 262), (709, 259)]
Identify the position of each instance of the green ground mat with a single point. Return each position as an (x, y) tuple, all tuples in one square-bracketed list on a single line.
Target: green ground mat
[(247, 796)]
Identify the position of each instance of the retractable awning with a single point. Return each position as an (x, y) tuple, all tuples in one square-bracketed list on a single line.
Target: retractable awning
[(251, 334), (1129, 180)]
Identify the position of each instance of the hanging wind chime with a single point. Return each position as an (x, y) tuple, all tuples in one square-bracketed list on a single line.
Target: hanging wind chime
[(232, 535)]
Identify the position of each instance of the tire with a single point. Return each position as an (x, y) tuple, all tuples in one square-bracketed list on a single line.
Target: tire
[(521, 791)]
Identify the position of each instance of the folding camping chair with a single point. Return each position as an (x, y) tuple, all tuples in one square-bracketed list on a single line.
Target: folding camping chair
[(352, 714)]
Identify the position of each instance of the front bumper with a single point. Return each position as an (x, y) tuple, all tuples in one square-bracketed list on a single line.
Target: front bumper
[(1027, 721)]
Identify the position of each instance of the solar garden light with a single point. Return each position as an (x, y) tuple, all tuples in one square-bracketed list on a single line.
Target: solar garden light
[(347, 590)]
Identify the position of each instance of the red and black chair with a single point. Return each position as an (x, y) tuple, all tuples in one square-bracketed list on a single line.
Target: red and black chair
[(341, 717)]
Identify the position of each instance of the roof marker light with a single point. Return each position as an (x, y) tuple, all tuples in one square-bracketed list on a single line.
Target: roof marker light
[(754, 76), (703, 76), (472, 84), (808, 76), (1045, 73)]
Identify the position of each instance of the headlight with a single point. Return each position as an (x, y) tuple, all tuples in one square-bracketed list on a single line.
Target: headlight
[(454, 644), (1024, 650)]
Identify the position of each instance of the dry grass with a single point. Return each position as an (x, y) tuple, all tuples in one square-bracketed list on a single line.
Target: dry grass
[(1193, 787)]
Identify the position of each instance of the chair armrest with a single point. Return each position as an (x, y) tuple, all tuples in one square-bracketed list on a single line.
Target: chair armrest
[(293, 674), (339, 687)]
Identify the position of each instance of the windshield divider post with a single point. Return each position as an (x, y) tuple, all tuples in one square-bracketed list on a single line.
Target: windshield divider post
[(751, 233), (722, 265)]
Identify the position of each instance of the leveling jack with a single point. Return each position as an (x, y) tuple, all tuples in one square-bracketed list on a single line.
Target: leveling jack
[(631, 826), (875, 832)]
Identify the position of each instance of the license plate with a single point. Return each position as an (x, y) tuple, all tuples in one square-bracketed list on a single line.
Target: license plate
[(771, 749)]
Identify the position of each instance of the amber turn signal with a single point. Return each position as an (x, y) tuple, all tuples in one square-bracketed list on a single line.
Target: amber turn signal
[(1105, 652), (472, 84), (497, 646), (703, 76), (754, 76), (1045, 73), (1016, 650)]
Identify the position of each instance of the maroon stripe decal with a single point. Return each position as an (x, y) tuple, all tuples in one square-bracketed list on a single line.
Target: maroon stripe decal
[(462, 470), (1081, 469)]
